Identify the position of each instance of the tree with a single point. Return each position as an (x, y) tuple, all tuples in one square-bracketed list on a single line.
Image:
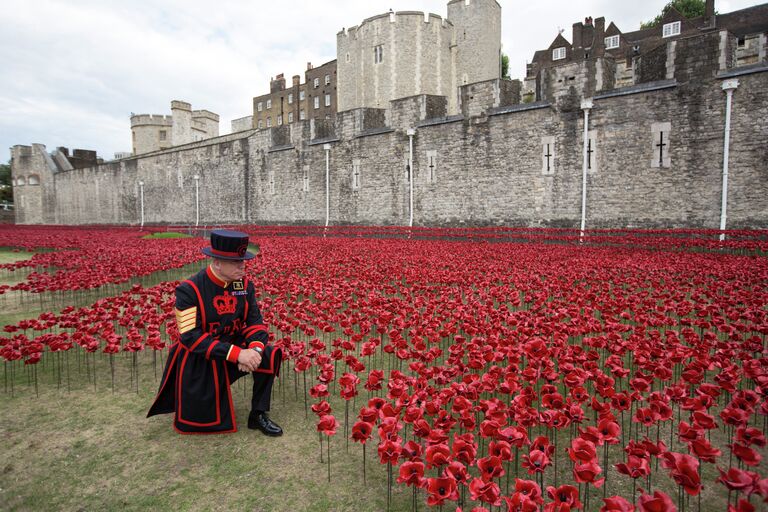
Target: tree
[(505, 66), (688, 8), (6, 190)]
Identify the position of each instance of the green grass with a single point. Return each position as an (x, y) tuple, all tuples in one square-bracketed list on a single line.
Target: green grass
[(10, 255), (92, 449)]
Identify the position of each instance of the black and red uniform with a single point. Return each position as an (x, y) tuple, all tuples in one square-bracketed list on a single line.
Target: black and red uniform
[(216, 320)]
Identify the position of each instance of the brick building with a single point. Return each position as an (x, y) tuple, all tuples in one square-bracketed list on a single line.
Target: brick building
[(313, 99), (620, 55)]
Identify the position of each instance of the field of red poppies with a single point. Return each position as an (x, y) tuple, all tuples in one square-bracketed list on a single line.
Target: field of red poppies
[(487, 369)]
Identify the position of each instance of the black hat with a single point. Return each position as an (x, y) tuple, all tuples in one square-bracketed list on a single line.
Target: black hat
[(228, 245)]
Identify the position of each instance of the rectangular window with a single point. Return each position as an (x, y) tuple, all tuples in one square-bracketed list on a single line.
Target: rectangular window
[(260, 106), (260, 125), (671, 29), (163, 135), (547, 155), (317, 101), (355, 174), (305, 179), (280, 120), (378, 54), (611, 42), (269, 122), (290, 117), (302, 115), (301, 95), (316, 82), (327, 79), (290, 98), (327, 100), (558, 53), (269, 103)]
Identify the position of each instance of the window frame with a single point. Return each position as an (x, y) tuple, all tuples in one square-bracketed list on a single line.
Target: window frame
[(317, 102), (674, 29), (557, 51), (610, 39)]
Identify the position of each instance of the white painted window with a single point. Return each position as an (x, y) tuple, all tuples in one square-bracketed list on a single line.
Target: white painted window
[(316, 82), (280, 120), (558, 53), (317, 101), (269, 103), (327, 100), (671, 29), (611, 42), (355, 174), (378, 54), (21, 181), (34, 179), (327, 79), (269, 122), (290, 117), (302, 115), (260, 125), (260, 106), (301, 95), (290, 98)]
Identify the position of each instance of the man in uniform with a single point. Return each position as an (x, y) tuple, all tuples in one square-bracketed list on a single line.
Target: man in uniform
[(222, 338)]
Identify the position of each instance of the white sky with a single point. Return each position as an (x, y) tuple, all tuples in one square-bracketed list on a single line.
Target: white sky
[(74, 70)]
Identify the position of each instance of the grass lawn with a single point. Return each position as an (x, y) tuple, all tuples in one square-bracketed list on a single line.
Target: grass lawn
[(92, 449)]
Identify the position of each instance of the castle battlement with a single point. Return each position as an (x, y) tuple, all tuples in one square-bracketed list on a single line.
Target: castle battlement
[(205, 114), (180, 105), (151, 120)]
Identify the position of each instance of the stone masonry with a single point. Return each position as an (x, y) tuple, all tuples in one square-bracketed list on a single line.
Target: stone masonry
[(655, 153)]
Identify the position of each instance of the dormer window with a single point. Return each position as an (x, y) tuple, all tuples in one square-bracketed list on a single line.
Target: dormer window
[(558, 53), (611, 42), (671, 29)]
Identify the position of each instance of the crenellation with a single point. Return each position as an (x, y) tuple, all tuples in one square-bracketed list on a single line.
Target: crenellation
[(485, 152)]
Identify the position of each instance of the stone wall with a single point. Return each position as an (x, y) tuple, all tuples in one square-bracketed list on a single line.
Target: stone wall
[(486, 167)]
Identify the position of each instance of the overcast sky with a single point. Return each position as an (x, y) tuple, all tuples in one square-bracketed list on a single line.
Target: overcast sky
[(74, 70)]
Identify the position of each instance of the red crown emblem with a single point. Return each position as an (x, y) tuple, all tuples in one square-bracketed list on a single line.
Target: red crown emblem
[(225, 304)]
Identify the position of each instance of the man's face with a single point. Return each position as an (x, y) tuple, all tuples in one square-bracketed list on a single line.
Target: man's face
[(229, 270)]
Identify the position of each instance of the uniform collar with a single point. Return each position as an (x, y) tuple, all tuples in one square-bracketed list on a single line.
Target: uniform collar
[(215, 278)]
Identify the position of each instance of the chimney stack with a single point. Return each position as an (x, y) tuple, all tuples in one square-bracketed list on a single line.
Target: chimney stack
[(709, 13)]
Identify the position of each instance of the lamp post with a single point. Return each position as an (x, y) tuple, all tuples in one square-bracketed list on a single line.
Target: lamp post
[(141, 200), (410, 132), (586, 105), (197, 199), (728, 86), (327, 148)]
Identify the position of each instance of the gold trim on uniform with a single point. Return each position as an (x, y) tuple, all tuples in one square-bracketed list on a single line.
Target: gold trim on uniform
[(186, 320), (229, 352)]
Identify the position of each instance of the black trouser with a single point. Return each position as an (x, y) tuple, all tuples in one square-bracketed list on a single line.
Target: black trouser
[(263, 380)]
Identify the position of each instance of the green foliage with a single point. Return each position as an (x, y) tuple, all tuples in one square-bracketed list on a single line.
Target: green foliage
[(6, 191), (505, 66), (688, 8)]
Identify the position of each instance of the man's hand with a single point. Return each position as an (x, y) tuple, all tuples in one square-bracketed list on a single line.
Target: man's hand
[(248, 360)]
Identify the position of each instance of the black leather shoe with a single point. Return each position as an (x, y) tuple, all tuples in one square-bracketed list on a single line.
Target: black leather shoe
[(267, 426)]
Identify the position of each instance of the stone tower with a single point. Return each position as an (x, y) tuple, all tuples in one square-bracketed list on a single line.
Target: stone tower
[(477, 27)]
